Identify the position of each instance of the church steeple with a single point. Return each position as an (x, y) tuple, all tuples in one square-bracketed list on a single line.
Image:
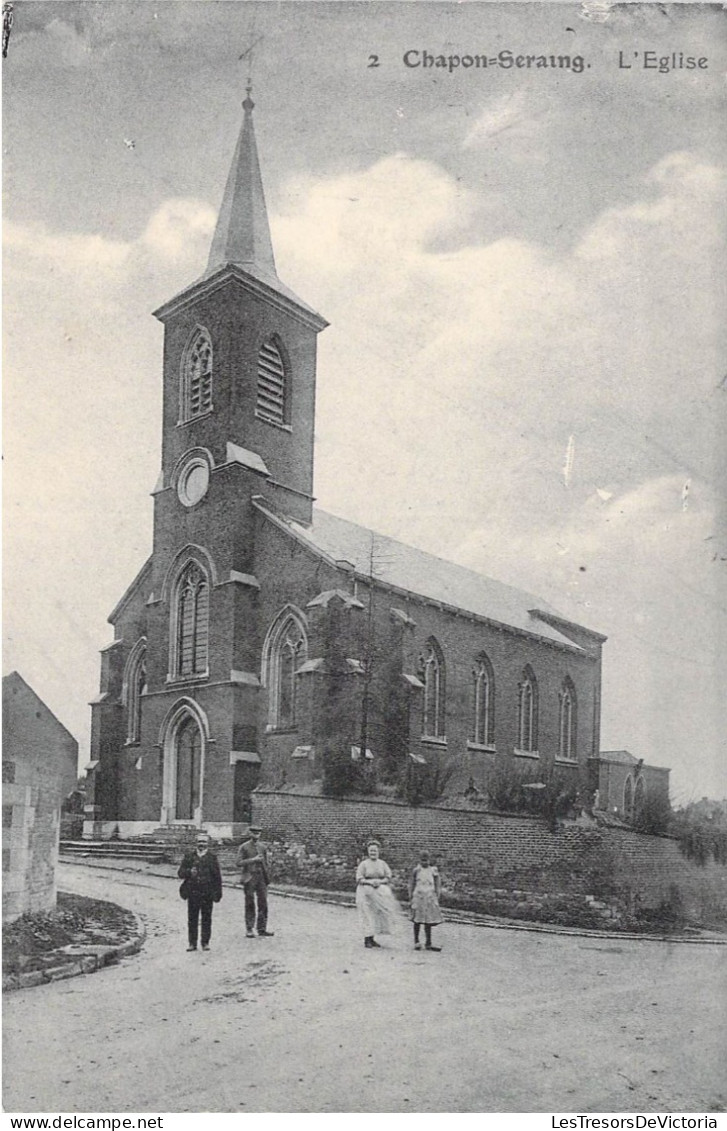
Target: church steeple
[(239, 369), (241, 245), (242, 235)]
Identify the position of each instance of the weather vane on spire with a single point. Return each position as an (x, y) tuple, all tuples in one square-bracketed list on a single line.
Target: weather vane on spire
[(248, 54)]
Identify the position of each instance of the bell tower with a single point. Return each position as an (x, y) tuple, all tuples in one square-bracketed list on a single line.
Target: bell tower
[(238, 420), (240, 358)]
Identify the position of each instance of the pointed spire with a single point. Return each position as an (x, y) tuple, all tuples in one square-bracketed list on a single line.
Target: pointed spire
[(242, 235), (241, 246)]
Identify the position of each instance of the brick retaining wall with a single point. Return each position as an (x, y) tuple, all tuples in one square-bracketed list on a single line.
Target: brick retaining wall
[(488, 849)]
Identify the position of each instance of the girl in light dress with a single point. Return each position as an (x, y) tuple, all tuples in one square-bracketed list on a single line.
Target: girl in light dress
[(377, 907), (424, 888)]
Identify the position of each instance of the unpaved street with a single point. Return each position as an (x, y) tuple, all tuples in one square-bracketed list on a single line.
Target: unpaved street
[(310, 1021)]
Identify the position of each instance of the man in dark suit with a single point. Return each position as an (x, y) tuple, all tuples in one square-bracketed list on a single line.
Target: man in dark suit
[(252, 857), (200, 870)]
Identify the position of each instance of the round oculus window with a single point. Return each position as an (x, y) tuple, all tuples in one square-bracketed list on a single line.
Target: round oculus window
[(193, 482)]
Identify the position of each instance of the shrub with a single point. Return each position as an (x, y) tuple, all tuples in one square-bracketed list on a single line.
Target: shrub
[(342, 775), (419, 784), (511, 790), (701, 844), (556, 801), (701, 835), (505, 789), (653, 816)]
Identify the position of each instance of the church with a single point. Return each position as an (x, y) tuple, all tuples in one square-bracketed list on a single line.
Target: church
[(264, 636)]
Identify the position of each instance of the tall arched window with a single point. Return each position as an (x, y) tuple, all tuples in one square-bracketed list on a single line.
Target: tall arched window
[(134, 686), (639, 798), (191, 621), (483, 702), (272, 393), (285, 649), (528, 712), (434, 691), (196, 380), (629, 798), (567, 741), (188, 753)]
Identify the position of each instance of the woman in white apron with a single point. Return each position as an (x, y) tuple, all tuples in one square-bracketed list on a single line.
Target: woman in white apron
[(377, 907)]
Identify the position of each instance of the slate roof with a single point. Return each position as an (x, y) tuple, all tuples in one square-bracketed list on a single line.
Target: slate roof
[(143, 573), (421, 574)]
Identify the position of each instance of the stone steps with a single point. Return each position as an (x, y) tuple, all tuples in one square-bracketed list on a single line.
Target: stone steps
[(151, 852), (174, 835)]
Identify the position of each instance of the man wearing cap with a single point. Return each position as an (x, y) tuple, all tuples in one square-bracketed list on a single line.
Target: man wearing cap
[(200, 870), (252, 858)]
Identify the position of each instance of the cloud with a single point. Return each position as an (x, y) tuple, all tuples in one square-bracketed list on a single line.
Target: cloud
[(57, 45), (513, 114), (64, 251), (174, 241), (344, 224), (179, 230), (687, 204), (615, 341)]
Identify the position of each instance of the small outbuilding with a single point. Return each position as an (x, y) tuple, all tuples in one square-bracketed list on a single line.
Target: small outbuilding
[(40, 768), (622, 783)]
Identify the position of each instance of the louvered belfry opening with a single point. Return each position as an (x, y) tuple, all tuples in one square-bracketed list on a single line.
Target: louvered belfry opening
[(270, 384)]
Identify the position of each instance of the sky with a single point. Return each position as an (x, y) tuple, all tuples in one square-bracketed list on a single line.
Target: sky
[(524, 275)]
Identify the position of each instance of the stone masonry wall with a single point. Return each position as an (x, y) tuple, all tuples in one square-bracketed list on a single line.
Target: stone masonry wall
[(39, 761)]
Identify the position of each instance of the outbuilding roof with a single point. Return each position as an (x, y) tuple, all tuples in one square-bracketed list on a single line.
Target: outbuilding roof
[(14, 682), (618, 757)]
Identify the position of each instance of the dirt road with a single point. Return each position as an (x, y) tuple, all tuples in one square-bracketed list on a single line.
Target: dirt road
[(310, 1021)]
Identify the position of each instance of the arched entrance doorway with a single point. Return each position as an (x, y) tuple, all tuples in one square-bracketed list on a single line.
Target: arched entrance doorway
[(184, 740), (188, 754)]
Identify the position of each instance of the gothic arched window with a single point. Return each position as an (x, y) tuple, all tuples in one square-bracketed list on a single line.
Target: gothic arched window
[(567, 729), (196, 383), (629, 798), (285, 650), (134, 686), (272, 393), (528, 712), (188, 755), (192, 621), (483, 702), (434, 691), (639, 798)]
